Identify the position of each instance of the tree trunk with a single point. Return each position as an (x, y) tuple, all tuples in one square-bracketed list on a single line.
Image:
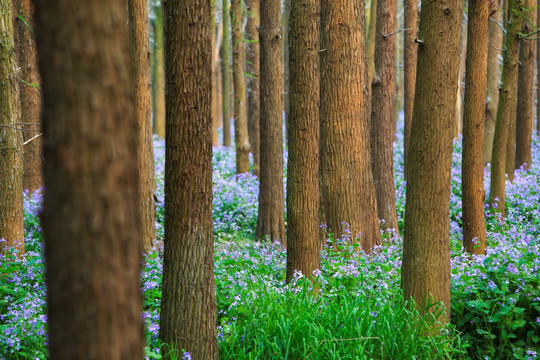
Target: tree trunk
[(425, 272), (11, 157), (254, 108), (90, 220), (372, 26), (188, 306), (381, 116), (505, 111), (271, 219), (304, 245), (140, 52), (460, 90), (239, 82), (474, 224), (347, 189), (30, 97), (159, 75), (227, 75), (285, 43), (410, 58), (493, 77), (398, 65), (216, 110), (525, 105)]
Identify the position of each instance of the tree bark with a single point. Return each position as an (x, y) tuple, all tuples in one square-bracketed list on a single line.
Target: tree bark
[(425, 272), (159, 75), (474, 224), (254, 107), (216, 108), (493, 77), (372, 28), (409, 77), (90, 220), (304, 245), (11, 156), (188, 307), (227, 75), (505, 111), (525, 105), (347, 189), (271, 219), (458, 124), (239, 82), (381, 116), (285, 44)]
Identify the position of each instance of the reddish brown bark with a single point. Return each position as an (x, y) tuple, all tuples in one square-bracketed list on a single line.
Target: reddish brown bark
[(254, 107)]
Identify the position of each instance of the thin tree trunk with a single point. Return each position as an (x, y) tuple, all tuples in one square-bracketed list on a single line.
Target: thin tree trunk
[(286, 86), (371, 41), (188, 306), (347, 189), (425, 272), (525, 106), (458, 128), (216, 94), (271, 219), (505, 111), (241, 138), (493, 77), (91, 224), (159, 75), (254, 108), (304, 245), (474, 224), (398, 65), (227, 75), (381, 116), (11, 157)]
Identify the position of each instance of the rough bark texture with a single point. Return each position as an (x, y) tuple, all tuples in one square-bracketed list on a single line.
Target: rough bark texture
[(286, 76), (304, 245), (505, 111), (30, 96), (90, 220), (493, 76), (409, 71), (227, 75), (159, 75), (188, 307), (474, 224), (426, 249), (11, 152), (254, 107), (381, 116), (241, 138), (347, 189), (271, 219), (140, 52), (525, 105), (371, 40)]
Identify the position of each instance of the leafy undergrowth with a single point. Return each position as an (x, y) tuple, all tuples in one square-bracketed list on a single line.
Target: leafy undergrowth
[(359, 312)]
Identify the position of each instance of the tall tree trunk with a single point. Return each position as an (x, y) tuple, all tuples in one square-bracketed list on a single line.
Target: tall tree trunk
[(398, 65), (216, 93), (271, 219), (254, 108), (474, 224), (506, 110), (227, 75), (159, 75), (285, 43), (410, 58), (239, 82), (304, 245), (188, 306), (425, 274), (458, 126), (372, 26), (91, 224), (11, 156), (525, 105), (381, 116), (493, 76), (30, 96), (140, 52), (347, 189)]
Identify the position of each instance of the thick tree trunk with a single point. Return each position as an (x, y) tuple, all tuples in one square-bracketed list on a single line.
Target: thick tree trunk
[(239, 82), (140, 52), (474, 224), (188, 307), (304, 245), (11, 152), (347, 189), (493, 77), (254, 108), (30, 96), (525, 105), (271, 219), (381, 116), (227, 75), (159, 75), (409, 71), (425, 272), (91, 224), (505, 111)]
